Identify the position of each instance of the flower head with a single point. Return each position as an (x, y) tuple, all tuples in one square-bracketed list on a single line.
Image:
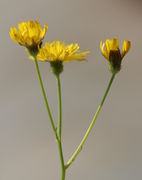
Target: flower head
[(59, 51), (110, 50), (29, 34)]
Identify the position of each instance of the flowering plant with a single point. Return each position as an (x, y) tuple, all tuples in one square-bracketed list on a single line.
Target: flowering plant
[(30, 35)]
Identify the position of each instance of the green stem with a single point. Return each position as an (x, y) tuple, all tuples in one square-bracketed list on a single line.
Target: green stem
[(58, 136), (91, 125), (59, 128), (45, 98), (62, 160)]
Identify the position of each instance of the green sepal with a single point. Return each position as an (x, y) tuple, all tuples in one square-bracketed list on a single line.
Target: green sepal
[(115, 61), (56, 67), (33, 51)]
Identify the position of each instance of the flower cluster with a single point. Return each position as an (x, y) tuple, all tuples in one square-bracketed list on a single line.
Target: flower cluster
[(30, 34)]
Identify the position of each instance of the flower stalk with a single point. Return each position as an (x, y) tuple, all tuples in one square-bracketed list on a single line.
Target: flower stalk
[(59, 128), (73, 157), (61, 159), (45, 98)]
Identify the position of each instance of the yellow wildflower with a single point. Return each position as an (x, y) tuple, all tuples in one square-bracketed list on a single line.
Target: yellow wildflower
[(59, 51), (110, 50), (29, 34)]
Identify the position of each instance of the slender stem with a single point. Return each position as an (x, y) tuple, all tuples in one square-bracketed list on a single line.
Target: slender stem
[(58, 136), (59, 128), (45, 98), (62, 160), (91, 125)]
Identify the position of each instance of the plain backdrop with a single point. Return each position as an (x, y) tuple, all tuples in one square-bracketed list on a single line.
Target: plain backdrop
[(28, 150)]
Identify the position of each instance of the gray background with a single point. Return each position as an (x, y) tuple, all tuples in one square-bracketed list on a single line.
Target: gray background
[(28, 150)]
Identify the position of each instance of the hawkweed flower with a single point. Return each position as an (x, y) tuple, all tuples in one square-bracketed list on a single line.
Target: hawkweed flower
[(58, 52), (29, 34), (110, 50)]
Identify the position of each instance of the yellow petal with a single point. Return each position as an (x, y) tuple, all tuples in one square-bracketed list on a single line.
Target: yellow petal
[(126, 47), (107, 45), (44, 31), (104, 50), (114, 45), (13, 33), (77, 57)]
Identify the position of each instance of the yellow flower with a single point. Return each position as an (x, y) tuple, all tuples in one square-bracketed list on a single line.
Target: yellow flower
[(110, 50), (59, 51), (29, 34)]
